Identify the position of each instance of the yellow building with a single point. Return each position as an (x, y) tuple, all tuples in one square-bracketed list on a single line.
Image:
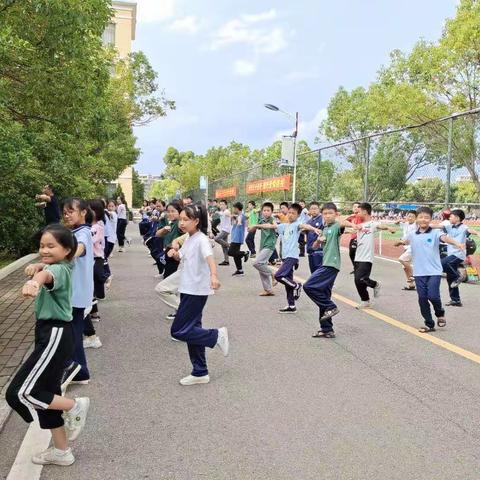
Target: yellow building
[(120, 32)]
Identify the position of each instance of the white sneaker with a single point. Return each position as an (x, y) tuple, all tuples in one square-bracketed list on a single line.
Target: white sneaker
[(75, 421), (362, 305), (52, 456), (191, 380), (92, 342), (222, 341), (376, 290), (175, 339)]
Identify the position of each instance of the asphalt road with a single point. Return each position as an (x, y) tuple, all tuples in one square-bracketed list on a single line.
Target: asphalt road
[(375, 403)]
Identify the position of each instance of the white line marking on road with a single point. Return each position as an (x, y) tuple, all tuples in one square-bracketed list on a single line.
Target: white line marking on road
[(36, 440)]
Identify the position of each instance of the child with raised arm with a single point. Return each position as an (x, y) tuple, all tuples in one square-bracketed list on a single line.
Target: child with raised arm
[(319, 286), (198, 279), (427, 267), (365, 253), (289, 233), (36, 388), (455, 256), (405, 259), (268, 240)]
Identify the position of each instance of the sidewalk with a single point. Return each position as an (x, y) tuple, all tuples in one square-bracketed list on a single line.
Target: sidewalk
[(17, 323)]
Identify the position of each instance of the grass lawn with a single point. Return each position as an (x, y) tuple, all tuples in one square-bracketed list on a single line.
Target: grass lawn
[(4, 261)]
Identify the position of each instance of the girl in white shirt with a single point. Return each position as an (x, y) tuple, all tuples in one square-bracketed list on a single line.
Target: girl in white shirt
[(198, 279), (121, 222)]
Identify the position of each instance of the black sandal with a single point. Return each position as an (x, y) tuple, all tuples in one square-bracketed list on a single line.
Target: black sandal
[(426, 329), (321, 334), (409, 287), (441, 322)]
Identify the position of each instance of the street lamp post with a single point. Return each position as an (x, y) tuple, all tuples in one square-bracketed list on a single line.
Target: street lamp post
[(274, 108)]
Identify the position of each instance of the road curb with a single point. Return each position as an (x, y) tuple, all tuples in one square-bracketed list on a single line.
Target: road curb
[(5, 271)]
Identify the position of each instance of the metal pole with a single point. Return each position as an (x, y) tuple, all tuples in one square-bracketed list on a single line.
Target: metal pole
[(449, 162), (206, 192), (294, 188), (318, 174), (367, 166)]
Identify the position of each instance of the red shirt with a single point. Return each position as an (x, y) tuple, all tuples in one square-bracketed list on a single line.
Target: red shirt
[(356, 220)]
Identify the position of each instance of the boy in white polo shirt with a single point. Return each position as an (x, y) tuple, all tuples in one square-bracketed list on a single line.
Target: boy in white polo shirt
[(225, 228), (427, 267)]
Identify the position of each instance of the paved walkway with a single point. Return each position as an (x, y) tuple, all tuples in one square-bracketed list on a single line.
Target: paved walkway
[(17, 324), (377, 402)]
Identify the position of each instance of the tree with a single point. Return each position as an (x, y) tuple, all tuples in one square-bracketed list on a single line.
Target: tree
[(61, 109), (138, 194)]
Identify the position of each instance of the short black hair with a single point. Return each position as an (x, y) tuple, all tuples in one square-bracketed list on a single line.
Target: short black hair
[(238, 205), (252, 202), (176, 205), (355, 203), (366, 206), (284, 204), (427, 210), (459, 213), (75, 203), (198, 211), (64, 237), (223, 201), (329, 206), (297, 207), (268, 205), (314, 203)]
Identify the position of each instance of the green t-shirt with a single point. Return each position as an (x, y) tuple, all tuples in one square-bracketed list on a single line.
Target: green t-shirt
[(174, 233), (55, 303), (252, 217), (331, 247), (268, 238)]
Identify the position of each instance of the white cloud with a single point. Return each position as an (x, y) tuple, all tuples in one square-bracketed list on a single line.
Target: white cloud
[(245, 30), (150, 11), (185, 25), (260, 17), (244, 67), (307, 129)]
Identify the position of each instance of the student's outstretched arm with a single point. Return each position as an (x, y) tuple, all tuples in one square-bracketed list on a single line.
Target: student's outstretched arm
[(452, 241), (32, 287), (385, 226), (473, 232), (309, 228), (265, 226)]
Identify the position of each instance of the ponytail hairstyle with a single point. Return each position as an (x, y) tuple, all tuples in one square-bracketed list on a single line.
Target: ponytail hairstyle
[(98, 209), (198, 212)]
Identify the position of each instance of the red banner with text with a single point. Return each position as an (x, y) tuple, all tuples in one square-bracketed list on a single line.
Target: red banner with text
[(274, 184), (226, 192)]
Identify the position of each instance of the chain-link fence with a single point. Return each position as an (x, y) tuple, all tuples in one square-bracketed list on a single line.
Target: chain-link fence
[(435, 163)]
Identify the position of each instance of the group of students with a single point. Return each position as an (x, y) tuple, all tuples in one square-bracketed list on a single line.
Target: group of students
[(421, 260), (74, 272), (67, 284)]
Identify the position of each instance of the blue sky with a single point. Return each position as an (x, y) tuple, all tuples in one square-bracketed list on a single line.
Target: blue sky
[(221, 60)]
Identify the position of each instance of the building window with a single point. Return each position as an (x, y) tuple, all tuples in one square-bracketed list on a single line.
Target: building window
[(108, 36)]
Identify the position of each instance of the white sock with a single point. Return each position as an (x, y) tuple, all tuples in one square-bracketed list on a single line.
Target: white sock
[(59, 452)]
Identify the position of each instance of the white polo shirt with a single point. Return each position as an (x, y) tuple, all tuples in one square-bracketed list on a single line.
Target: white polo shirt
[(194, 269)]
